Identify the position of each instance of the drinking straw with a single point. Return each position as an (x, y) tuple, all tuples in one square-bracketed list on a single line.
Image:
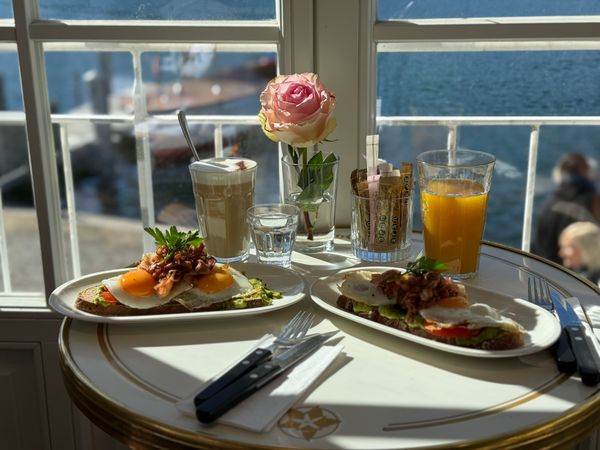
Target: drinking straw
[(372, 156)]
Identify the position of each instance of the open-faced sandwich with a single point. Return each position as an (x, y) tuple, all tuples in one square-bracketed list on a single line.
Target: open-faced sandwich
[(178, 277), (423, 302)]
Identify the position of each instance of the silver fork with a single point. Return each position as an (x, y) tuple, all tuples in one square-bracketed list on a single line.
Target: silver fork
[(293, 331), (290, 334), (538, 293)]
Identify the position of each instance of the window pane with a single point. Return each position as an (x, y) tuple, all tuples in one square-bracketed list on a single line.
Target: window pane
[(88, 82), (489, 83), (430, 9), (554, 141), (11, 98), (159, 9), (98, 174), (510, 145), (102, 183), (103, 177), (22, 271), (492, 84), (20, 260), (206, 82), (6, 9)]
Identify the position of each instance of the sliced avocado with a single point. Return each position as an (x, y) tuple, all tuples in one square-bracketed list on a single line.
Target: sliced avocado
[(391, 312), (394, 313), (100, 301), (360, 307), (259, 291), (417, 322), (239, 304), (98, 298)]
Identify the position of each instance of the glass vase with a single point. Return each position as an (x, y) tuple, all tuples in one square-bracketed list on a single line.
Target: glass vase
[(312, 188)]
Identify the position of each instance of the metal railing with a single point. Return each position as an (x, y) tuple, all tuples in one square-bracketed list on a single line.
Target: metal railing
[(143, 152), (534, 122)]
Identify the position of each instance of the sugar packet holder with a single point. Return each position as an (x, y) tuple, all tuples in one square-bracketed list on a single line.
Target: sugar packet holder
[(389, 208)]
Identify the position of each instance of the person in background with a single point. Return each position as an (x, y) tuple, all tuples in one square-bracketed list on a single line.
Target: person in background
[(574, 199), (579, 249)]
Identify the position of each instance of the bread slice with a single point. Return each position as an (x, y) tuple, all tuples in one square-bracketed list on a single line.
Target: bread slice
[(86, 301), (505, 341)]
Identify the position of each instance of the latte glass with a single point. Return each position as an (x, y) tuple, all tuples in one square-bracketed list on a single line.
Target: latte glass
[(223, 191)]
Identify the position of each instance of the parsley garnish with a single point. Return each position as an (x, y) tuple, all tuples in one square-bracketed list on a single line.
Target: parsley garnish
[(421, 265), (174, 240)]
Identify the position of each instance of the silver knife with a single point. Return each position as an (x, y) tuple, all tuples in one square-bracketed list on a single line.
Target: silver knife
[(217, 405), (570, 322)]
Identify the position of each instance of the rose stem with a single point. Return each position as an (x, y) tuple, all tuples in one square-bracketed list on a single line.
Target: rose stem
[(308, 226)]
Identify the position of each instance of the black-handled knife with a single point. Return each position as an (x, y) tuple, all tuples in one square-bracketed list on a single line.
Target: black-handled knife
[(571, 323), (256, 357), (217, 405), (563, 354)]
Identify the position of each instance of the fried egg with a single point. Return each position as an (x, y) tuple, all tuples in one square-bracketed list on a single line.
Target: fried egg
[(221, 284), (357, 286), (136, 289), (477, 315)]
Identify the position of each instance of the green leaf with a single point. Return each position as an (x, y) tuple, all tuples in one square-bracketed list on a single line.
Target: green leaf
[(316, 161), (303, 153), (174, 240), (331, 158), (293, 154), (308, 174), (422, 265), (327, 171), (310, 198), (314, 178)]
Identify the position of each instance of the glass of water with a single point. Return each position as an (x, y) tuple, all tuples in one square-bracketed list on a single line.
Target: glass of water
[(273, 227)]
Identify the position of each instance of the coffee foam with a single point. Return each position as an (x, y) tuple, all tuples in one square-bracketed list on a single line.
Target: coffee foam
[(223, 170), (223, 164)]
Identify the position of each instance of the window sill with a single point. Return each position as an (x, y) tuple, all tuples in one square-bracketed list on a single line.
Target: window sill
[(20, 306)]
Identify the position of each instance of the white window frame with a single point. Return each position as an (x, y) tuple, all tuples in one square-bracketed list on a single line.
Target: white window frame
[(314, 36)]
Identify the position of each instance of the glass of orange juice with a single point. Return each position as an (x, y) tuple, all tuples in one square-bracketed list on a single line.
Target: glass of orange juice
[(454, 187)]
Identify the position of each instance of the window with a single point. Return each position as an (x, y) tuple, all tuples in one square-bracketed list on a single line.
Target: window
[(18, 219), (101, 84), (106, 103), (520, 87), (497, 85)]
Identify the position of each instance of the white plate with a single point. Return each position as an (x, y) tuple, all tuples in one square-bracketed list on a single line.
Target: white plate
[(541, 326), (286, 281)]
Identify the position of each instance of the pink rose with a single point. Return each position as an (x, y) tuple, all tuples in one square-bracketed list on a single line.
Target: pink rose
[(297, 110)]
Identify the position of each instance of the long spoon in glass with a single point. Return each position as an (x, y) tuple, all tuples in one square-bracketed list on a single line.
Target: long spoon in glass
[(186, 133)]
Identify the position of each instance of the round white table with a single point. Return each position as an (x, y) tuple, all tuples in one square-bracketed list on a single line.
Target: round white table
[(382, 392)]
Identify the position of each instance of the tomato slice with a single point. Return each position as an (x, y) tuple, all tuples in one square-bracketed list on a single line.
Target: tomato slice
[(451, 332), (108, 297)]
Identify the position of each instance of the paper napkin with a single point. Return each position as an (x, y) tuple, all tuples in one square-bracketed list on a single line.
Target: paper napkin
[(592, 333), (262, 410)]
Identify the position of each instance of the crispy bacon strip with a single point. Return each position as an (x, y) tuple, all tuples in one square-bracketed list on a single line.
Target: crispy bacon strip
[(413, 293), (191, 261)]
